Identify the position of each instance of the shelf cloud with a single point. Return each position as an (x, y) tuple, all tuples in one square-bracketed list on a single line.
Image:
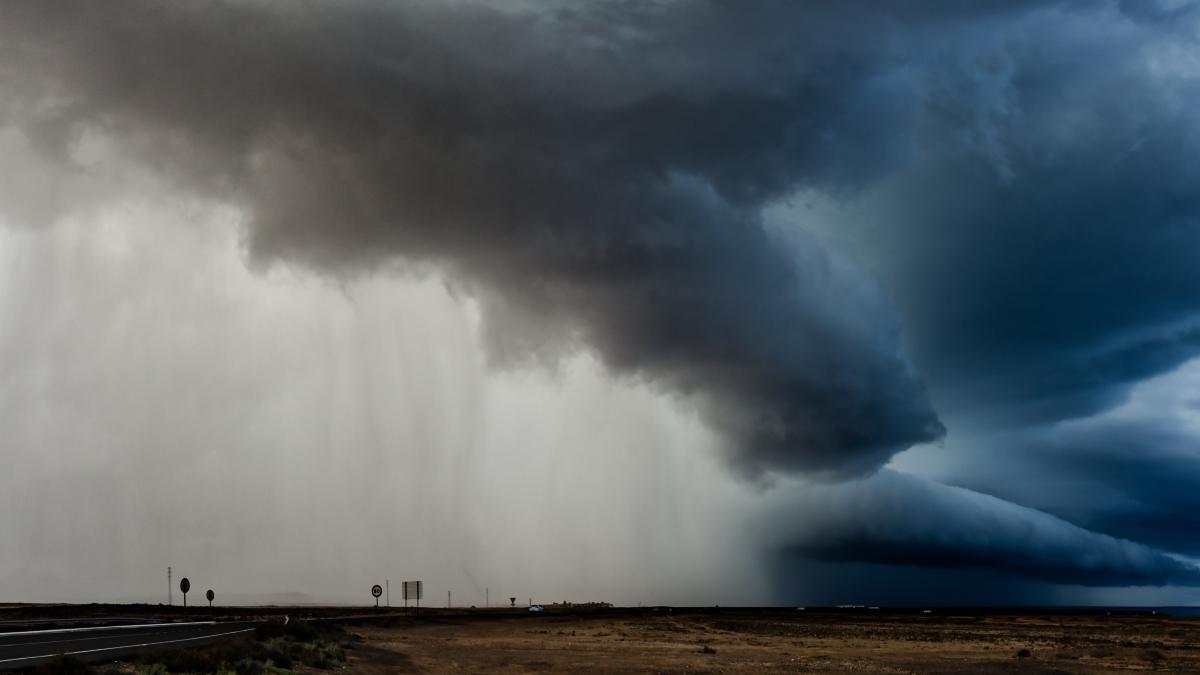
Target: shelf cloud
[(897, 519)]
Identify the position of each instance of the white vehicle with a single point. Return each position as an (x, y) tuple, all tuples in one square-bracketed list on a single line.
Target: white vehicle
[(537, 608)]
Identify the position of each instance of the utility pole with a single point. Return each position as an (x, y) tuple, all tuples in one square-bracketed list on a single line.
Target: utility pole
[(387, 586), (447, 599), (486, 601), (170, 600)]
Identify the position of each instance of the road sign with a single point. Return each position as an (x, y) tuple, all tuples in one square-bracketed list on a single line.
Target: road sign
[(377, 591), (210, 595), (185, 586), (413, 590)]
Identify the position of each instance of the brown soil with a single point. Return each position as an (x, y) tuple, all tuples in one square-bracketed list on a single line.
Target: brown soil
[(778, 642)]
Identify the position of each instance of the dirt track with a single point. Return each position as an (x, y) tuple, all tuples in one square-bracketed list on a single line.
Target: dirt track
[(775, 642)]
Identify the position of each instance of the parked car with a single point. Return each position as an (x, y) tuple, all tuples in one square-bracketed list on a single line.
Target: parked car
[(537, 608)]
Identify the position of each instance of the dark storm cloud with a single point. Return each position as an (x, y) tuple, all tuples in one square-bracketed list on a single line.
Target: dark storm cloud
[(1044, 259), (896, 519), (807, 581), (1019, 176), (1044, 254), (594, 176)]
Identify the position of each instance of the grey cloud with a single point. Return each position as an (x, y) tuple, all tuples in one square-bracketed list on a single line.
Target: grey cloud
[(601, 179), (897, 519)]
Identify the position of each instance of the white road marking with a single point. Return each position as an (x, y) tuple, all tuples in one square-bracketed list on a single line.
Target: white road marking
[(52, 631), (54, 642), (113, 649)]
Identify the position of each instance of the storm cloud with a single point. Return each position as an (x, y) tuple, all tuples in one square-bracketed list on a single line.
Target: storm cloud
[(833, 231), (606, 200)]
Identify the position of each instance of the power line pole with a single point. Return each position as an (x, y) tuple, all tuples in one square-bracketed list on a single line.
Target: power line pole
[(486, 601), (447, 599), (170, 596), (387, 585)]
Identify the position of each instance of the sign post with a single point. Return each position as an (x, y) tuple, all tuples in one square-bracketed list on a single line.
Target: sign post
[(185, 586), (413, 590), (377, 591), (210, 595)]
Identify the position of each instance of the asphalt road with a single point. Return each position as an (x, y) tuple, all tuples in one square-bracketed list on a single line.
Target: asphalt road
[(22, 649)]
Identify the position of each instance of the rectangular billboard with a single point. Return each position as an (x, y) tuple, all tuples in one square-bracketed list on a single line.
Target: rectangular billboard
[(413, 590)]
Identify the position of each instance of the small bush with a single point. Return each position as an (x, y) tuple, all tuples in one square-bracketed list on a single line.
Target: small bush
[(1024, 653), (708, 650), (248, 666)]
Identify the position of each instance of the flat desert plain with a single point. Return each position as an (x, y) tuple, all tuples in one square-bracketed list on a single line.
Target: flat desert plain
[(773, 641)]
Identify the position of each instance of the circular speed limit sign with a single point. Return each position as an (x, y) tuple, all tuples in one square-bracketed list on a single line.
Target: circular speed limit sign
[(377, 590)]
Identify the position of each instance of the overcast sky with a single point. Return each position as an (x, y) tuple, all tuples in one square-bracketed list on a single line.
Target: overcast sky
[(683, 301)]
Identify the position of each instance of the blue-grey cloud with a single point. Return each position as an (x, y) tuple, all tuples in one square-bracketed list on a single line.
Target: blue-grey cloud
[(1132, 472), (1042, 243), (897, 519)]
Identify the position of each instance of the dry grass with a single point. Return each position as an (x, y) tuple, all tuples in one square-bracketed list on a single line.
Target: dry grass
[(773, 642)]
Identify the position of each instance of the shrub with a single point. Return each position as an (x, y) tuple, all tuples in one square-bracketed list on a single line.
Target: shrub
[(248, 666)]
